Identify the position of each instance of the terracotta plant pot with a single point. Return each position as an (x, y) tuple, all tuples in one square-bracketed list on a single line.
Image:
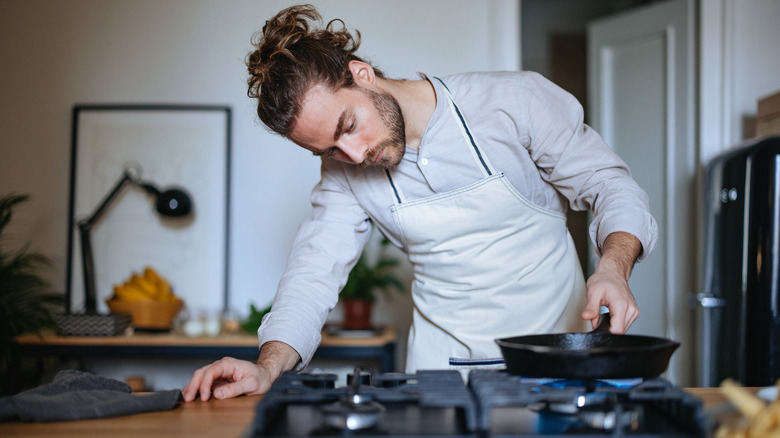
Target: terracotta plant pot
[(357, 314)]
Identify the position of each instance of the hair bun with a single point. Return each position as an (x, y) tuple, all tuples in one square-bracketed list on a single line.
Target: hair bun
[(286, 29), (292, 52)]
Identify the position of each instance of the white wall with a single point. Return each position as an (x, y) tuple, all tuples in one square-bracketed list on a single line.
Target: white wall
[(59, 53), (738, 66)]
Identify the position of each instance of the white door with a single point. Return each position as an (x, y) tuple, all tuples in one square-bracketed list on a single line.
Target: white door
[(641, 85)]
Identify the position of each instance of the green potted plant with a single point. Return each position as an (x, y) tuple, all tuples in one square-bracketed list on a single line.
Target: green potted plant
[(359, 293), (27, 302)]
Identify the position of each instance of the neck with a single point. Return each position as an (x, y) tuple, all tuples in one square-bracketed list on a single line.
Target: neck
[(417, 100)]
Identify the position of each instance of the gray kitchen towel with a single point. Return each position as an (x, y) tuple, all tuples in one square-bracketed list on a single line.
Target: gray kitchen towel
[(76, 395)]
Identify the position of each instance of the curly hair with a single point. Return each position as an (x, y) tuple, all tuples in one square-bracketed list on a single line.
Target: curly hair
[(290, 57)]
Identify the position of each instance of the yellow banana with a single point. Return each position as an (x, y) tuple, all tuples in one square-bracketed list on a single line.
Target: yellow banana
[(149, 286), (143, 284), (164, 291), (151, 275), (128, 292)]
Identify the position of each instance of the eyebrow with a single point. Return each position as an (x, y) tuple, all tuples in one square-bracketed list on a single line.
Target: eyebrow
[(340, 125)]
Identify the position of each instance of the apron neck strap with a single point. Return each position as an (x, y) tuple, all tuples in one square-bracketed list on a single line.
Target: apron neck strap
[(479, 157)]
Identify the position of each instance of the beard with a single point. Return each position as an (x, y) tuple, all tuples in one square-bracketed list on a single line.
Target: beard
[(393, 147)]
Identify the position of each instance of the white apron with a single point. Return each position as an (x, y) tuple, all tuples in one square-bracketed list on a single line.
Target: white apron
[(487, 264)]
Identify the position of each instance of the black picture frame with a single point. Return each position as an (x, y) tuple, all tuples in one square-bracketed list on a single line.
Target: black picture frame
[(186, 146)]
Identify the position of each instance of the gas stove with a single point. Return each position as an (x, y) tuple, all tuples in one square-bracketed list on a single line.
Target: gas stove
[(494, 404)]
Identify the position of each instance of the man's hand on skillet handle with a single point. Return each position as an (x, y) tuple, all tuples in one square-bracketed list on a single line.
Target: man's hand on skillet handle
[(608, 286), (229, 377)]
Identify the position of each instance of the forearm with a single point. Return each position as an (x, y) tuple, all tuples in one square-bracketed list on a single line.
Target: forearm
[(608, 286), (277, 357), (619, 253)]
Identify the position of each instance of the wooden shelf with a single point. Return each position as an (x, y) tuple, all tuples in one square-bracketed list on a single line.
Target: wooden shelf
[(380, 347), (385, 336)]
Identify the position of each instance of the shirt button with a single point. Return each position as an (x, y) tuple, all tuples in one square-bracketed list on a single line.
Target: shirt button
[(424, 161)]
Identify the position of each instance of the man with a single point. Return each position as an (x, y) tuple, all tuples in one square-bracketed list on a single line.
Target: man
[(470, 175)]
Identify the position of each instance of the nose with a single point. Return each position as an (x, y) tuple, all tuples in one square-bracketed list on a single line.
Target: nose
[(353, 151)]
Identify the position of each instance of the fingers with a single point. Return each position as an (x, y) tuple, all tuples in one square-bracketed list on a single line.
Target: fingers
[(191, 390), (591, 312), (247, 385), (227, 378), (632, 313), (612, 292), (203, 379), (617, 319), (622, 315)]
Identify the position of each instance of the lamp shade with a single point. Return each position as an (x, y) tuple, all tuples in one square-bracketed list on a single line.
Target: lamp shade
[(173, 203)]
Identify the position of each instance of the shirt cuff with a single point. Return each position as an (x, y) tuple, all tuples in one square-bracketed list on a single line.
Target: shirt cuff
[(645, 229), (302, 340)]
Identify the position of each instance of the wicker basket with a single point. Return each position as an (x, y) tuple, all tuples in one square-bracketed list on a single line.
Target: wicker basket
[(148, 314), (92, 324)]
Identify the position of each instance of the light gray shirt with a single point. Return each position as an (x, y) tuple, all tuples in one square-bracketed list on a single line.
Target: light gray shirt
[(529, 129)]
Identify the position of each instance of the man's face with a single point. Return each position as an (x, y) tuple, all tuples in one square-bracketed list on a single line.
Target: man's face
[(354, 125)]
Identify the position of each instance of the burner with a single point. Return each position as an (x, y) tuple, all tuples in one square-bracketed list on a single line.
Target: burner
[(356, 412), (596, 394), (617, 418), (589, 421), (578, 401), (590, 385), (356, 409)]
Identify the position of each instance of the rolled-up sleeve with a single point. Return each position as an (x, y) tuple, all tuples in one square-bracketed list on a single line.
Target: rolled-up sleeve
[(324, 251)]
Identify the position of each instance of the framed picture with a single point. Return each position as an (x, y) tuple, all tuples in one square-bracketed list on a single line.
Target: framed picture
[(169, 146)]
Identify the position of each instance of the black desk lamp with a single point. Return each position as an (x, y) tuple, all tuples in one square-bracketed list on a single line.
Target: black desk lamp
[(172, 202)]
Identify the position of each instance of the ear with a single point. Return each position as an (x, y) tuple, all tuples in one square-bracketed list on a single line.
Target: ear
[(362, 73)]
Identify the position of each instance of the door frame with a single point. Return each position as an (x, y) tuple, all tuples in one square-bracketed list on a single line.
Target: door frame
[(679, 241)]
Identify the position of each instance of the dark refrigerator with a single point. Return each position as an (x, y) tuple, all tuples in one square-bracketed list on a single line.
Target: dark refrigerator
[(739, 316)]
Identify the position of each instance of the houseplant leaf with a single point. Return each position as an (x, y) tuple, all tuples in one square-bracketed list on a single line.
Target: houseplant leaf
[(27, 302)]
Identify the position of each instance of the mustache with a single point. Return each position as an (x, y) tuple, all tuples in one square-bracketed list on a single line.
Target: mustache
[(387, 144), (368, 161)]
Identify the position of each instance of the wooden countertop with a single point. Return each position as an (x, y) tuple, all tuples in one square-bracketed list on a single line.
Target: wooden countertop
[(223, 418), (215, 418)]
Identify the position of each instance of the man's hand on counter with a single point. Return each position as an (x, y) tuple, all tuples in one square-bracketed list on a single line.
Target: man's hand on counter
[(229, 377)]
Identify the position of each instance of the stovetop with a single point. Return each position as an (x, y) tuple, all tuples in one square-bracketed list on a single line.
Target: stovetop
[(493, 404)]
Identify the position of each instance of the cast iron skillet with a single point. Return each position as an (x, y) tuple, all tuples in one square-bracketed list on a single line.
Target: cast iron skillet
[(595, 355)]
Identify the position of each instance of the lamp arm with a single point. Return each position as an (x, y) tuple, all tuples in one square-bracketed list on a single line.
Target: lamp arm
[(85, 229), (88, 268), (98, 212)]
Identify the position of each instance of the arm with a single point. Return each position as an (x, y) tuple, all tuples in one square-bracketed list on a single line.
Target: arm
[(577, 162), (325, 249), (608, 286), (229, 377)]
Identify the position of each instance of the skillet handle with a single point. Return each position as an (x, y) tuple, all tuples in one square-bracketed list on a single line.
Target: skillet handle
[(603, 326)]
